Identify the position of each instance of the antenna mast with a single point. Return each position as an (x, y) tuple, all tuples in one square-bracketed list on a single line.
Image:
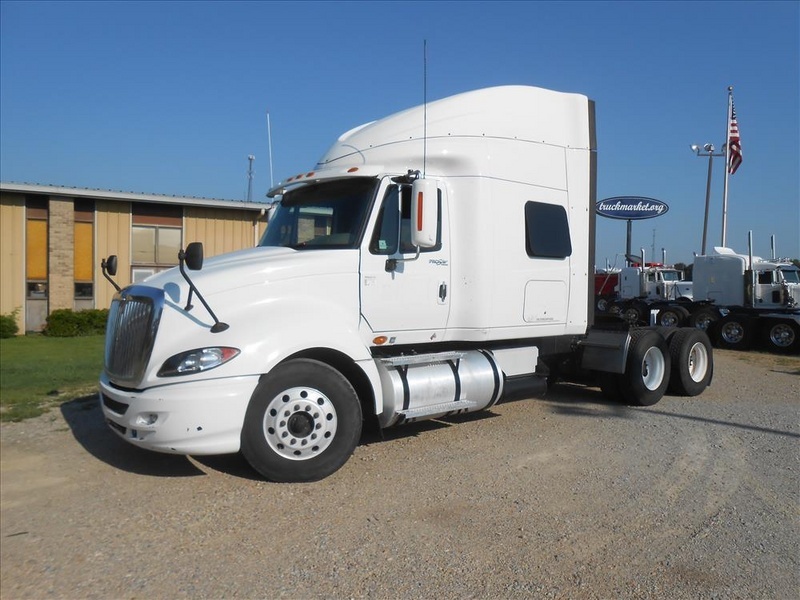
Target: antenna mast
[(424, 106)]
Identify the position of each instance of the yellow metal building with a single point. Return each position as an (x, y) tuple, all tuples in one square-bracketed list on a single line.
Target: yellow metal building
[(52, 240)]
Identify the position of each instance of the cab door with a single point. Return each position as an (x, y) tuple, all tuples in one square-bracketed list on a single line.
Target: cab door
[(405, 291)]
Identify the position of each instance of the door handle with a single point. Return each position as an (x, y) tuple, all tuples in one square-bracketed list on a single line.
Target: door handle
[(442, 291)]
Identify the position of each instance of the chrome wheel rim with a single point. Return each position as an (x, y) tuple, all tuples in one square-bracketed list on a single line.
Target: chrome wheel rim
[(300, 423), (668, 319), (732, 332), (703, 322), (653, 368), (782, 335), (698, 362)]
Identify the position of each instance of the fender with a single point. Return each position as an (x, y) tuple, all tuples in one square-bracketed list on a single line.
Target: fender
[(313, 324)]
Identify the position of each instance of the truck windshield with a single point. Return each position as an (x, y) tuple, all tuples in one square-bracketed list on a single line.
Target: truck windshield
[(791, 275), (331, 214), (670, 275)]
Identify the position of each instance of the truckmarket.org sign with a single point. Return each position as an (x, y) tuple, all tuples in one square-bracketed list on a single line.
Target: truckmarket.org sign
[(631, 208)]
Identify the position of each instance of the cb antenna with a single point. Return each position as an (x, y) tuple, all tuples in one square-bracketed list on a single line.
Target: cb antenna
[(424, 105)]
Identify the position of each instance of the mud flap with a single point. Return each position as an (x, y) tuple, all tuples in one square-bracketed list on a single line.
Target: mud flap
[(605, 351)]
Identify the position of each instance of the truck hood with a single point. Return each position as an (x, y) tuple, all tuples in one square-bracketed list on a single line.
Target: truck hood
[(258, 266)]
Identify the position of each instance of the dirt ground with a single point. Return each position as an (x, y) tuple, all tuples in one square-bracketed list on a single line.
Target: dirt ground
[(569, 496)]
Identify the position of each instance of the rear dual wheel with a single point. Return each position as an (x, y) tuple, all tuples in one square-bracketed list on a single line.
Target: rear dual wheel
[(703, 318), (672, 316), (782, 336), (692, 362), (734, 332), (646, 373), (684, 366)]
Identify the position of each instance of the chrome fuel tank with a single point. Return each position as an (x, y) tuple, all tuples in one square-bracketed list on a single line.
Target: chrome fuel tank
[(427, 386)]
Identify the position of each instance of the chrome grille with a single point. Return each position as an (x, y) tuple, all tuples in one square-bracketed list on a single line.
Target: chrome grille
[(131, 332)]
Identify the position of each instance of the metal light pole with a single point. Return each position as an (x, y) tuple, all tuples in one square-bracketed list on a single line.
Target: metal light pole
[(707, 150)]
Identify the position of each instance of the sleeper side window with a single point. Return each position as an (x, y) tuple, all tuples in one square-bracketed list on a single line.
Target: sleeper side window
[(546, 231)]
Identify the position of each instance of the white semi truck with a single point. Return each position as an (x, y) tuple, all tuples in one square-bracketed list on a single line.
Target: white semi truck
[(755, 300), (434, 262), (741, 300), (646, 287)]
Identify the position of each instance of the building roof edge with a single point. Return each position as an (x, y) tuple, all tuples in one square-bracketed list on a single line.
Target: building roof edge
[(77, 192)]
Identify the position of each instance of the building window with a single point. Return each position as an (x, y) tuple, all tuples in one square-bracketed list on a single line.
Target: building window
[(37, 290), (83, 257), (84, 291), (157, 246), (36, 247), (156, 238)]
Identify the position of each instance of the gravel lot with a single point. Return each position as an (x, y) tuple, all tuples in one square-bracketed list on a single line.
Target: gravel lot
[(564, 497)]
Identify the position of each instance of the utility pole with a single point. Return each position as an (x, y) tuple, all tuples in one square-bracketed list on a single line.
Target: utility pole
[(250, 158), (653, 246)]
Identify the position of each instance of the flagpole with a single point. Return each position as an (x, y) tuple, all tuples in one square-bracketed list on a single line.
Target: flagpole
[(727, 168)]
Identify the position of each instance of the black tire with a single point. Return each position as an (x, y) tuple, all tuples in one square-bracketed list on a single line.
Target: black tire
[(733, 332), (302, 424), (634, 313), (602, 304), (692, 362), (672, 316), (647, 369), (781, 336), (703, 318)]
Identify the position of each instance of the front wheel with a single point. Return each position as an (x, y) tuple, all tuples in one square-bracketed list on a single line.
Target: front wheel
[(635, 313), (302, 424), (603, 303)]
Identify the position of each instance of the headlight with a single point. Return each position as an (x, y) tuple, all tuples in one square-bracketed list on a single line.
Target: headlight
[(196, 361)]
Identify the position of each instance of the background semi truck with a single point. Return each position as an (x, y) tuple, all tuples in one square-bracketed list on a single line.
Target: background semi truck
[(740, 299), (435, 262), (634, 291), (756, 299)]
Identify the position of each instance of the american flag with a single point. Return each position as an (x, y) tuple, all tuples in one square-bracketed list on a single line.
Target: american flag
[(734, 143)]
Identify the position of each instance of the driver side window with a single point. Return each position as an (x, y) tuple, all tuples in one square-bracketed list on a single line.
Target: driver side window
[(393, 228), (385, 238)]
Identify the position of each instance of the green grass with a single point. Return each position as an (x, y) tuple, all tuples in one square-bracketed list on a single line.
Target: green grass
[(37, 373)]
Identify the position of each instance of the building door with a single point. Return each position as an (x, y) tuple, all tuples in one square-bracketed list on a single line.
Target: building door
[(36, 292)]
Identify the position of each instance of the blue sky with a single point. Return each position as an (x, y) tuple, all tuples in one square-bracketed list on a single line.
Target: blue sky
[(171, 98)]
